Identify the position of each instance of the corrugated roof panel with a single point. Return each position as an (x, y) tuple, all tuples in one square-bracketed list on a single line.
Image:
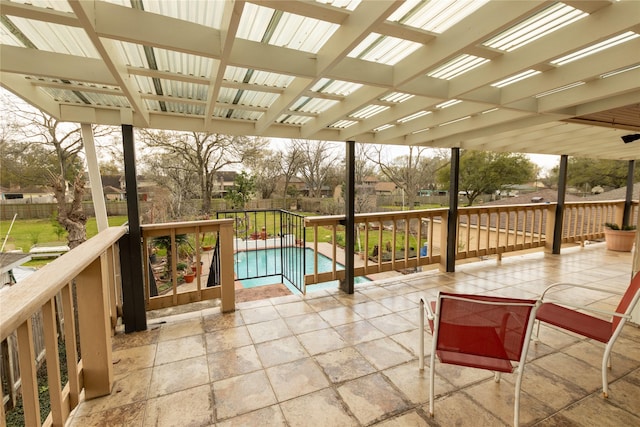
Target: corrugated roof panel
[(293, 119), (257, 99), (227, 95), (384, 49), (301, 33), (220, 112), (435, 15), (369, 111), (313, 105), (54, 37), (254, 22), (184, 90), (183, 108), (246, 115), (9, 38), (61, 6), (397, 97), (270, 79), (234, 74), (108, 100), (335, 87), (342, 124), (152, 105), (144, 83), (341, 4), (183, 63), (132, 54), (207, 13)]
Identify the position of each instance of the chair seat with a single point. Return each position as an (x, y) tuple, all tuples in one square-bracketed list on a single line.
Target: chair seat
[(574, 321), (473, 361)]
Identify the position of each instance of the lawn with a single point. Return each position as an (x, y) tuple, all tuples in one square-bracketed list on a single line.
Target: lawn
[(28, 232)]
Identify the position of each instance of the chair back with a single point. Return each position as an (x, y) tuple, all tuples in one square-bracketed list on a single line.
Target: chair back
[(628, 301), (485, 326)]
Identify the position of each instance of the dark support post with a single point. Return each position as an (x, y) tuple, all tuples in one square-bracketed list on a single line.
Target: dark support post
[(133, 305), (562, 190), (452, 216), (626, 217), (349, 224)]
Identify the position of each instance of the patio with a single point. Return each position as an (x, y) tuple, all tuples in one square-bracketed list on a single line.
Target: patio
[(330, 358)]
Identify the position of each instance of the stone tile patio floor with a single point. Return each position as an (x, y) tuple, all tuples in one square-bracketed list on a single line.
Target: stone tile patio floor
[(332, 359)]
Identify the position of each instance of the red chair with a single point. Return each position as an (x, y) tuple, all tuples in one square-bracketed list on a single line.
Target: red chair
[(479, 331), (564, 314)]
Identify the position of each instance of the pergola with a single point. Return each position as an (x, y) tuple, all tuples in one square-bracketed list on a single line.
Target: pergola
[(543, 77)]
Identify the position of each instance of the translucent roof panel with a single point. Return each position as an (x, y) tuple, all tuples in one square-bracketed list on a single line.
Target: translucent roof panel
[(61, 6), (539, 25), (183, 108), (207, 13), (383, 49), (266, 25), (292, 119), (53, 37), (335, 87), (457, 67), (313, 105), (436, 15), (369, 111)]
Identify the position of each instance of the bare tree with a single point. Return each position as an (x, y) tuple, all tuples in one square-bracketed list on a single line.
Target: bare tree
[(63, 142), (290, 162), (406, 172), (318, 159), (203, 154), (266, 168)]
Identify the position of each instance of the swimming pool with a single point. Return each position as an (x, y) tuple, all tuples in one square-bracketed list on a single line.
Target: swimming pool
[(264, 267)]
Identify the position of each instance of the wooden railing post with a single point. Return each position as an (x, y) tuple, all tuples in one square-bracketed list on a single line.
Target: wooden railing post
[(228, 292), (444, 233), (95, 328), (550, 227)]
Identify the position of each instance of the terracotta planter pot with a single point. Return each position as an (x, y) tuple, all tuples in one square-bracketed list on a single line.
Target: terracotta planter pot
[(619, 240), (188, 278)]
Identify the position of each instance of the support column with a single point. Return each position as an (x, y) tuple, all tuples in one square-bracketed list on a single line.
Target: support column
[(559, 219), (133, 304), (349, 224), (452, 215), (95, 181), (626, 218)]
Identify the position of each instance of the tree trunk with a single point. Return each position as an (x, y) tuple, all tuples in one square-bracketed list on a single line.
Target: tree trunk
[(71, 217)]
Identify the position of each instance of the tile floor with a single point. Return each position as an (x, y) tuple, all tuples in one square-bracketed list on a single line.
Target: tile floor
[(332, 359)]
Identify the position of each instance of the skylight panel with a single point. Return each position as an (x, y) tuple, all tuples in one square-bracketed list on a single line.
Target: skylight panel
[(457, 67), (450, 122), (436, 15), (448, 103), (53, 37), (342, 4), (539, 25), (343, 124), (516, 78), (606, 44), (265, 25), (313, 105), (292, 119), (397, 97), (369, 111), (621, 70), (383, 49), (559, 89), (335, 87), (414, 116), (383, 127)]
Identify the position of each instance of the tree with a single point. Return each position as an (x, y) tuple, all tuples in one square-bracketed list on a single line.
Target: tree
[(485, 172), (203, 154), (242, 191), (267, 168), (59, 146), (317, 159), (290, 162), (406, 172), (587, 173)]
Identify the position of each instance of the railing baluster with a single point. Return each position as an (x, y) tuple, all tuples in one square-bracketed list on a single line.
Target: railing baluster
[(53, 362), (28, 377), (70, 345)]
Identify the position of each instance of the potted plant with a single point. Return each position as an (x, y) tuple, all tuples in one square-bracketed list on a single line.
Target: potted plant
[(619, 238)]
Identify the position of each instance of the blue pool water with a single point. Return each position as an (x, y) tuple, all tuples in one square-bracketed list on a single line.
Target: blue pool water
[(267, 262)]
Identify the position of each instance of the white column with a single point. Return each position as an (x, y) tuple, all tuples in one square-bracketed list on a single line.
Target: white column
[(95, 180)]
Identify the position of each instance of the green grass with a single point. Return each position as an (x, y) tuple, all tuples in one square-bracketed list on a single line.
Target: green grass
[(28, 232)]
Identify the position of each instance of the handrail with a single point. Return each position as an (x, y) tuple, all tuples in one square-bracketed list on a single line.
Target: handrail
[(20, 301)]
